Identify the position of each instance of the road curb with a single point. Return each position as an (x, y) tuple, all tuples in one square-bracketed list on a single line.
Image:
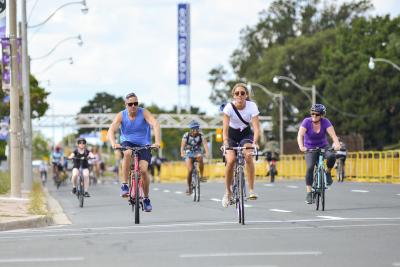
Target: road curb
[(55, 210), (33, 222)]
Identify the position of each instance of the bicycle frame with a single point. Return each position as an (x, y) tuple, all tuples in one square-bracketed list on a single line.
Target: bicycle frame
[(195, 181), (239, 181), (319, 179)]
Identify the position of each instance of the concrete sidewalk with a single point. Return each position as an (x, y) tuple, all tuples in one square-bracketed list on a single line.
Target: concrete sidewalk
[(14, 213)]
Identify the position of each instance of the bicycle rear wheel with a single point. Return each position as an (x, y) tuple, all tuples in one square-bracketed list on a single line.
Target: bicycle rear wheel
[(198, 188), (194, 184)]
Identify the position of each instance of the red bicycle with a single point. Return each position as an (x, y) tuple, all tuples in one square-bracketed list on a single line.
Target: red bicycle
[(135, 197)]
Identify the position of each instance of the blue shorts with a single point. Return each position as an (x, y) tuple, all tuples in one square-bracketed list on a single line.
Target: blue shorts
[(192, 154), (144, 154)]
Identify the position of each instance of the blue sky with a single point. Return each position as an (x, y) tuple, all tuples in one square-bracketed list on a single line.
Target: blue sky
[(131, 45)]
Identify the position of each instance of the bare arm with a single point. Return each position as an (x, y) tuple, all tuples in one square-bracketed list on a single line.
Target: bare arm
[(183, 144), (300, 138), (225, 129), (332, 134), (155, 125), (114, 127), (205, 145), (255, 121)]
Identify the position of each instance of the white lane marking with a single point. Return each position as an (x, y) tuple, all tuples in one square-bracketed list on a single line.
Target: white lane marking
[(396, 263), (269, 185), (398, 194), (248, 206), (359, 191), (331, 217), (215, 199), (156, 189), (166, 191), (292, 186), (41, 260), (278, 210), (180, 230), (14, 199), (239, 254), (178, 192)]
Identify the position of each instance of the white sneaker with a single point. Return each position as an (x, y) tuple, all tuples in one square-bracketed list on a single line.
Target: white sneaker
[(226, 200), (252, 195)]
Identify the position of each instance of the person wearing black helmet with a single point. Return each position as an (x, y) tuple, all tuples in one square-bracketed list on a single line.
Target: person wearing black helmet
[(135, 124), (191, 149), (311, 135), (81, 152)]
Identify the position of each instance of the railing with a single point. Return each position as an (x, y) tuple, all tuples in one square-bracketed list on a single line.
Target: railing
[(371, 166)]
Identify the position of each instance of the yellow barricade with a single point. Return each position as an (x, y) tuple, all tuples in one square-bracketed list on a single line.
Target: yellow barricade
[(370, 166)]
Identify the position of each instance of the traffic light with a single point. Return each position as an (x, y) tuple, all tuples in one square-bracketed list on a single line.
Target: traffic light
[(103, 136), (218, 135)]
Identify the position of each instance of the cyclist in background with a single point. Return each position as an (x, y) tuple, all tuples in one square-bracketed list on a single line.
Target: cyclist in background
[(135, 123), (238, 115), (79, 152), (271, 150), (312, 135), (191, 150), (57, 158)]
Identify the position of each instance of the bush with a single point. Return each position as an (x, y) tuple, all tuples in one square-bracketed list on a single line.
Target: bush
[(5, 182)]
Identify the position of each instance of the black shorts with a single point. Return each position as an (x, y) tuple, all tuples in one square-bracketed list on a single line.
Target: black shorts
[(237, 137), (144, 154)]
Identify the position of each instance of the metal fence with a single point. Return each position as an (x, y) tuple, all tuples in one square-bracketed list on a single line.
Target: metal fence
[(371, 166)]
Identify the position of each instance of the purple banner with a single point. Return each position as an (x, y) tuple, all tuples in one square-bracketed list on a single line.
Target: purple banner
[(4, 126), (6, 64)]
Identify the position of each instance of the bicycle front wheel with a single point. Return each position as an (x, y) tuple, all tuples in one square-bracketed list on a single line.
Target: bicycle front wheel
[(322, 184), (80, 191), (241, 197), (137, 199)]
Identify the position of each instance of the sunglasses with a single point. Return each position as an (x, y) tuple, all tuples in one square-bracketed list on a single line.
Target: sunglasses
[(81, 142), (241, 93), (133, 104), (315, 114)]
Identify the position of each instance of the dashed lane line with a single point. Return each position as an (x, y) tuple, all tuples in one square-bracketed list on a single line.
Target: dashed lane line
[(166, 191), (359, 191), (331, 217), (278, 210), (240, 254), (178, 192), (41, 260)]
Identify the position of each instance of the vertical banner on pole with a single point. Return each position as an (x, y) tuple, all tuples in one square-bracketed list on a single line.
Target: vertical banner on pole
[(3, 18), (184, 44), (6, 64)]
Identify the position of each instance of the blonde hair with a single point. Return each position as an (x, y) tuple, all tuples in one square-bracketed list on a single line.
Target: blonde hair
[(244, 86)]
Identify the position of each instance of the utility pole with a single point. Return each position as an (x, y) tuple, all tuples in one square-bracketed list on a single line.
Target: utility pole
[(27, 144), (15, 135)]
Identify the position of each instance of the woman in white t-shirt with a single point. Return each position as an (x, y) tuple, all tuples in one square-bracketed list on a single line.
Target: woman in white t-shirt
[(238, 131)]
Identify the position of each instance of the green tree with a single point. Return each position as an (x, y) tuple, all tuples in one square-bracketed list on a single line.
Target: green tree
[(40, 146)]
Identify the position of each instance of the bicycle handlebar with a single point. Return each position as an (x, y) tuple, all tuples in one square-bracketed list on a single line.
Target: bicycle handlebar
[(80, 158), (136, 148), (237, 148)]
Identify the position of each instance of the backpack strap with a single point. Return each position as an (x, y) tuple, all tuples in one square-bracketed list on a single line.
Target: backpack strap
[(238, 114)]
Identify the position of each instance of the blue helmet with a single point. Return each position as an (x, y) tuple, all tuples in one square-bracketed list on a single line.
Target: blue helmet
[(194, 125), (321, 109)]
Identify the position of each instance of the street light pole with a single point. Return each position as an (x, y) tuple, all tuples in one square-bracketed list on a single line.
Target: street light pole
[(15, 134), (372, 61), (274, 95), (80, 43), (71, 61), (313, 89), (27, 123)]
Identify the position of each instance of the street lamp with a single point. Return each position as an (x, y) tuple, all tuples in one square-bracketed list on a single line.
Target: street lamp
[(84, 10), (371, 63), (80, 43), (71, 61), (273, 95), (302, 88)]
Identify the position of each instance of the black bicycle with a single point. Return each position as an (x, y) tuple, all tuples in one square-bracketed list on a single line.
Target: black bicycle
[(239, 181), (80, 187), (319, 179), (195, 181)]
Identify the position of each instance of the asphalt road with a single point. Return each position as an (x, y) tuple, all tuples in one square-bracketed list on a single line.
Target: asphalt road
[(360, 227)]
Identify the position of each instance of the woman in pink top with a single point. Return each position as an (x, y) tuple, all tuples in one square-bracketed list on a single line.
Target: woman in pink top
[(311, 135)]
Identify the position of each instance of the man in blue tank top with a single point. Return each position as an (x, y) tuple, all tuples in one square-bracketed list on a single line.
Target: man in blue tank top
[(134, 123)]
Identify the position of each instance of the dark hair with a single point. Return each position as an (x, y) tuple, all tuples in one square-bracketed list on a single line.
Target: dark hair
[(130, 95)]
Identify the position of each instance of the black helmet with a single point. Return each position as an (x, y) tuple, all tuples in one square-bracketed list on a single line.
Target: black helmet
[(81, 139), (321, 109)]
